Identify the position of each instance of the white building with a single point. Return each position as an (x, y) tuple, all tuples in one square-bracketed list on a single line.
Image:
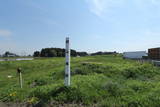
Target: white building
[(134, 55)]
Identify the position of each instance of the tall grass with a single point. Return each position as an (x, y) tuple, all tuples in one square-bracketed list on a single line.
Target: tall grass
[(106, 81)]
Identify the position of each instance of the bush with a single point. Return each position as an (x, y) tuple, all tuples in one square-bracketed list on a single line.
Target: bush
[(88, 68), (39, 82), (130, 73), (61, 94), (79, 71), (67, 94), (112, 88)]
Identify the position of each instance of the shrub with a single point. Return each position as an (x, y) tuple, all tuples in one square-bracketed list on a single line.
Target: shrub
[(88, 68), (39, 82), (112, 88), (130, 73), (142, 72), (78, 71), (60, 94), (67, 94)]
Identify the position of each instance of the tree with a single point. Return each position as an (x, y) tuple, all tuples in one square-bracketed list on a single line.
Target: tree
[(52, 53), (6, 53), (104, 53), (44, 53), (73, 53), (82, 53), (56, 52), (36, 54)]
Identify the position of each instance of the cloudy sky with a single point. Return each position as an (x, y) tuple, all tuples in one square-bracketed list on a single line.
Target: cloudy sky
[(92, 25)]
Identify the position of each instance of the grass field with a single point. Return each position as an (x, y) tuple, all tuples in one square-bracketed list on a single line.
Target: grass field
[(102, 81)]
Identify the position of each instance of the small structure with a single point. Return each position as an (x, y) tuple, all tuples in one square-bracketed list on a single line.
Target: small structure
[(19, 71), (134, 55), (11, 55), (154, 53)]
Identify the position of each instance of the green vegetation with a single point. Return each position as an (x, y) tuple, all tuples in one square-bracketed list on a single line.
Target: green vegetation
[(102, 81), (57, 52)]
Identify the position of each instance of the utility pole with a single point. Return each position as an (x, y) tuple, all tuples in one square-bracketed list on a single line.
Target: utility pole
[(67, 66)]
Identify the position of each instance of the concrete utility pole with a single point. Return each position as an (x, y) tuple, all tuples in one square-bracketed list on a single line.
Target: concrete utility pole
[(67, 66)]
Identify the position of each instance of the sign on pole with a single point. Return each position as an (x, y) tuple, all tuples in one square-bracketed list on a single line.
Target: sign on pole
[(67, 66)]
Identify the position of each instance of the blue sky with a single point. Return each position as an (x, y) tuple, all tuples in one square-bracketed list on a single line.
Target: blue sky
[(92, 25)]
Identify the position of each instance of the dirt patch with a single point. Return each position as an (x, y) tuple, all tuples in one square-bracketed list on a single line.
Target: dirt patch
[(51, 104), (3, 104)]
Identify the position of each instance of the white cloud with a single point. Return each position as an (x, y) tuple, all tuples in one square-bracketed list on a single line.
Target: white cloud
[(100, 7), (97, 6), (5, 33)]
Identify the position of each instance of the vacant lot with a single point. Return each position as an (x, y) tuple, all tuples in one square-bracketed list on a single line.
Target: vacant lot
[(108, 81)]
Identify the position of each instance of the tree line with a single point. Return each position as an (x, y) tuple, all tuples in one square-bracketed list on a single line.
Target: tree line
[(103, 53), (57, 52)]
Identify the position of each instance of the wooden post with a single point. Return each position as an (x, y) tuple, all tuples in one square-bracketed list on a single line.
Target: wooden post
[(20, 77)]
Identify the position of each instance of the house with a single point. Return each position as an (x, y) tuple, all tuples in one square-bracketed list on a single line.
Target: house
[(154, 53), (8, 54), (11, 55), (134, 55)]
